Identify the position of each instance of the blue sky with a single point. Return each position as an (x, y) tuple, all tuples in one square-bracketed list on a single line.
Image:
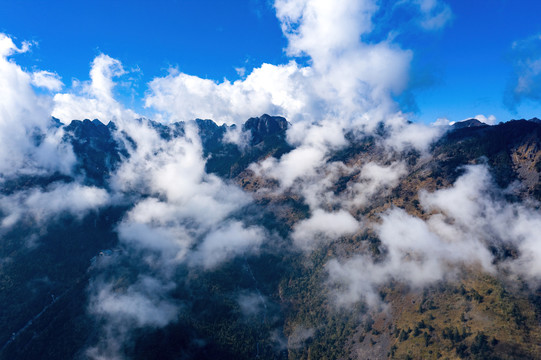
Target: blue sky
[(472, 59), (458, 71), (201, 37)]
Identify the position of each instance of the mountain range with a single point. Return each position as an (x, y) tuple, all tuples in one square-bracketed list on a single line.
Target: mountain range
[(194, 244)]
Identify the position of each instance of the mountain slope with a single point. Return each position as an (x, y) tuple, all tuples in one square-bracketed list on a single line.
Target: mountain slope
[(279, 300)]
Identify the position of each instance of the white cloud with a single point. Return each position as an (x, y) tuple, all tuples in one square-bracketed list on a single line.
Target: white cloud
[(252, 304), (185, 201), (150, 309), (301, 162), (241, 71), (181, 216), (480, 213), (145, 303), (40, 206), (268, 89), (229, 240), (405, 136), (348, 87), (28, 143), (349, 80), (320, 28), (351, 77), (464, 222), (323, 227), (442, 122), (47, 80), (94, 99), (8, 47), (313, 143), (436, 14), (525, 80), (375, 180)]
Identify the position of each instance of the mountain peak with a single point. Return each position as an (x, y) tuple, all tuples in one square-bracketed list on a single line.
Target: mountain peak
[(468, 124), (264, 126)]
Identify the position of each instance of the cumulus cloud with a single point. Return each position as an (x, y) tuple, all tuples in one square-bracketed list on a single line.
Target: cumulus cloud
[(417, 255), (442, 122), (346, 80), (48, 80), (311, 26), (274, 89), (315, 178), (28, 141), (466, 222), (94, 99), (351, 78), (346, 88), (184, 206)]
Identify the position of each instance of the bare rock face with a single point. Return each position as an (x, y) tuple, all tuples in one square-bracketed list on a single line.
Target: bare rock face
[(265, 125)]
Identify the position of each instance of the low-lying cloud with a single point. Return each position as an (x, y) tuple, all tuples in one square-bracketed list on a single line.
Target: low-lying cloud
[(39, 206), (465, 223), (323, 226)]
